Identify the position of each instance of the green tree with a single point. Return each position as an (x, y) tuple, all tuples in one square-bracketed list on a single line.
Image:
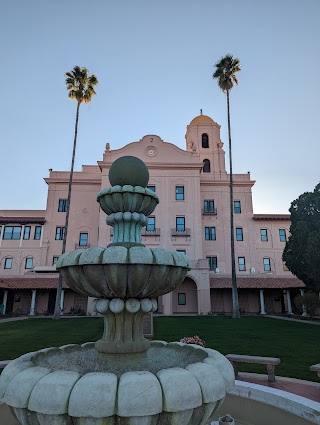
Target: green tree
[(302, 250), (225, 73), (81, 88)]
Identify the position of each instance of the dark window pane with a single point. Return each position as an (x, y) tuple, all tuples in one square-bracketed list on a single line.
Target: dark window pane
[(63, 205), (180, 224), (37, 232), (8, 263), (179, 193), (83, 239), (151, 187), (206, 166), (29, 263), (237, 207), (282, 235), (182, 298), (208, 205), (26, 232), (264, 235), (151, 225), (239, 234), (205, 140)]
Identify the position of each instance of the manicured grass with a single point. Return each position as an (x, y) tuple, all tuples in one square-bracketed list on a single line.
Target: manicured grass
[(297, 344)]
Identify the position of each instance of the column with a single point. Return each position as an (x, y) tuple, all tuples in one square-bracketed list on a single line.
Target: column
[(33, 302), (62, 301), (304, 310), (262, 308), (167, 303), (4, 301), (289, 302)]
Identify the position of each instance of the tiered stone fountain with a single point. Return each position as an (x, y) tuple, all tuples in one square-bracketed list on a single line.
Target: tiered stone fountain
[(123, 378)]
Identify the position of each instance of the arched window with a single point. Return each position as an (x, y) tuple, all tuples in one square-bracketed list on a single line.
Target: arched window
[(206, 166), (205, 140)]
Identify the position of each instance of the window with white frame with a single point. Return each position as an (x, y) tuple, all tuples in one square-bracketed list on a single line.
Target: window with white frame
[(151, 187), (267, 265), (208, 206), (55, 259)]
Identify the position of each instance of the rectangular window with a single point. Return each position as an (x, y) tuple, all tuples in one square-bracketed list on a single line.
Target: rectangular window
[(59, 233), (26, 232), (266, 265), (151, 187), (83, 239), (63, 205), (54, 260), (237, 207), (29, 263), (179, 193), (210, 233), (264, 235), (242, 264), (239, 234), (151, 225), (12, 232), (37, 232), (180, 224), (182, 298), (282, 235), (8, 263), (208, 206), (183, 251), (213, 263)]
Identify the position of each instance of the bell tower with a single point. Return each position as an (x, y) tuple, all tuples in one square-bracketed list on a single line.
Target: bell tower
[(203, 138)]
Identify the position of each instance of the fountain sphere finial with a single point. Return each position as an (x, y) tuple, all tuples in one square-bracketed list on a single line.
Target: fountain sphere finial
[(129, 170)]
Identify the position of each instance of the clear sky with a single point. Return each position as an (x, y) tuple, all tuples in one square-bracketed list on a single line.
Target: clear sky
[(154, 61)]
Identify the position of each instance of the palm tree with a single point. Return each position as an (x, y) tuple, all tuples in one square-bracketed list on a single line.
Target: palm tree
[(80, 86), (225, 73)]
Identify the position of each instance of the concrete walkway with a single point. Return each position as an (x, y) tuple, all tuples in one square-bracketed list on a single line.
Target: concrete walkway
[(294, 319), (305, 389)]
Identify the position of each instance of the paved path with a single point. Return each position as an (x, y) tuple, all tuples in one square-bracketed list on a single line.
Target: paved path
[(305, 389), (293, 319)]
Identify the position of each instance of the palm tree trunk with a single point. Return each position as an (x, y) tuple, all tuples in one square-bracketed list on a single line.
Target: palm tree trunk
[(57, 309), (235, 300)]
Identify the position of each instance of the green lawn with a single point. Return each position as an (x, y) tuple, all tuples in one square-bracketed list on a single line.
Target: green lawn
[(297, 344)]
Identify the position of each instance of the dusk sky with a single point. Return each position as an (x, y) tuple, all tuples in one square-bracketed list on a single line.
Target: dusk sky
[(154, 61)]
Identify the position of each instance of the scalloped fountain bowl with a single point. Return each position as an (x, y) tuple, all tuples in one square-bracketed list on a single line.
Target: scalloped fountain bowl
[(77, 385), (117, 271)]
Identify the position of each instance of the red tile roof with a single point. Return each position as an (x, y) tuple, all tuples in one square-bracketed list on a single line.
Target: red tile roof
[(257, 283), (271, 216), (22, 220), (30, 283)]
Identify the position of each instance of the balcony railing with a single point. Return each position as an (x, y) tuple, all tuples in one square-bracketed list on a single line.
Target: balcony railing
[(176, 232), (77, 246), (209, 211), (152, 232)]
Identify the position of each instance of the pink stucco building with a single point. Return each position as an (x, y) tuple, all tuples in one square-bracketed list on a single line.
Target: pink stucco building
[(193, 217)]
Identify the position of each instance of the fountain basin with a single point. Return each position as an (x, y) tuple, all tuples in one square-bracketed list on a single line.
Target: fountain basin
[(118, 271), (171, 383)]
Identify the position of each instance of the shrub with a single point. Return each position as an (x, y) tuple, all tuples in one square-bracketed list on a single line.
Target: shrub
[(309, 300)]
